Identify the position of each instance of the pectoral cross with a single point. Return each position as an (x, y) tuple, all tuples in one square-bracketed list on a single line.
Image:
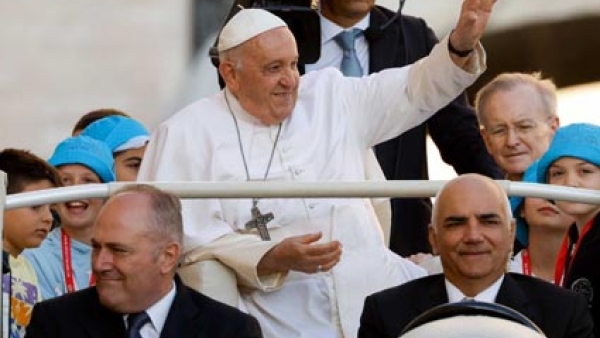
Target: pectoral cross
[(259, 221)]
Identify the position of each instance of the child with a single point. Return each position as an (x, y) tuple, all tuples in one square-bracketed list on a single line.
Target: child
[(573, 160), (541, 227), (126, 138), (23, 228), (79, 160)]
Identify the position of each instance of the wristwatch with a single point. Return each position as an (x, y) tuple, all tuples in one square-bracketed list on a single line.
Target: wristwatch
[(460, 53)]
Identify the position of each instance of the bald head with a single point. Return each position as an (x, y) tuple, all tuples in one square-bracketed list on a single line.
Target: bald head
[(470, 186), (473, 231)]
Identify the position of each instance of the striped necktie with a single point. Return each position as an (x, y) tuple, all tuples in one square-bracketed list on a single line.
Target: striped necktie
[(350, 63)]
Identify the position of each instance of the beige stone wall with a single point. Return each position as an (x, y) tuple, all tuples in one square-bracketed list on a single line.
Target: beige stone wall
[(61, 58)]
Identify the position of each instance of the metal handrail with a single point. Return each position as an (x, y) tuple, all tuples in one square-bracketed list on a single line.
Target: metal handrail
[(276, 189)]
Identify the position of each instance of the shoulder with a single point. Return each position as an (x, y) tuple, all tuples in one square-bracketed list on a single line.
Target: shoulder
[(71, 303), (197, 111), (542, 291), (211, 308), (409, 290)]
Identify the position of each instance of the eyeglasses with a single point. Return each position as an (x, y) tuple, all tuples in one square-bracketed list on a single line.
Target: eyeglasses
[(521, 129)]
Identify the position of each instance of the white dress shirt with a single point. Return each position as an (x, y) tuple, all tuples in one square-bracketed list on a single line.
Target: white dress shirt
[(332, 53), (488, 295), (158, 315)]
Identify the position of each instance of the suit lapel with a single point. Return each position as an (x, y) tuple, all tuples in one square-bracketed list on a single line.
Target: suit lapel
[(436, 294), (385, 51), (98, 321), (511, 295), (181, 315)]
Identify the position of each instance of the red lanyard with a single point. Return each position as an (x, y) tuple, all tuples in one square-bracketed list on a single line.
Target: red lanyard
[(526, 262), (567, 254), (67, 263)]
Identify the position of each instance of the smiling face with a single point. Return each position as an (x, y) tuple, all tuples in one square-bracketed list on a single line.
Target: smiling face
[(262, 74), (27, 227), (133, 267), (472, 232), (516, 129), (540, 214), (80, 213)]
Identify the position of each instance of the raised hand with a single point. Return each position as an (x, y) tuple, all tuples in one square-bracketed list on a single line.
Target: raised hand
[(471, 24)]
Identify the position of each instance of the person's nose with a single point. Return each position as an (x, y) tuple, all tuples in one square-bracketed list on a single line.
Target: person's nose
[(47, 217), (289, 77), (473, 231), (101, 260), (571, 180), (512, 137)]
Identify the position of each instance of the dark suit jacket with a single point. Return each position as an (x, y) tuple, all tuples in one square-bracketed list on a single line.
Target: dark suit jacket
[(558, 312), (192, 314)]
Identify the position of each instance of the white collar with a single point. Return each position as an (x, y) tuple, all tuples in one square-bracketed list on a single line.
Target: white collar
[(329, 29), (488, 295), (159, 311)]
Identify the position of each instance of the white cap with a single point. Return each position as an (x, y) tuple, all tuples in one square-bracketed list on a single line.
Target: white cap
[(245, 25)]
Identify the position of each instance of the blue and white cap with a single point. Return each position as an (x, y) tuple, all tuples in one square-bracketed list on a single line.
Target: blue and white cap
[(118, 132), (86, 151)]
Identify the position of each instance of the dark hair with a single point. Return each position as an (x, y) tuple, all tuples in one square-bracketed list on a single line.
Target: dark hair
[(94, 116), (23, 168)]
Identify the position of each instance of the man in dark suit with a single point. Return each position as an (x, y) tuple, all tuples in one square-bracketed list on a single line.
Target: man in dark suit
[(472, 230), (136, 246), (387, 42)]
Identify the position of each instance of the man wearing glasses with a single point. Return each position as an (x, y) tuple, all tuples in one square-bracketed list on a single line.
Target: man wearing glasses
[(517, 115)]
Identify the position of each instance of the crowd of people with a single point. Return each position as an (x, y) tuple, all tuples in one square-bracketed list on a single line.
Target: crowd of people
[(313, 267)]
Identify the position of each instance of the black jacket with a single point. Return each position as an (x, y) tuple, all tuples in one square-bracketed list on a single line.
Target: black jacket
[(192, 315), (557, 312)]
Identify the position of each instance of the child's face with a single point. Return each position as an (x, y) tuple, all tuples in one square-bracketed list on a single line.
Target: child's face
[(573, 172), (81, 213), (127, 164), (541, 214), (27, 227)]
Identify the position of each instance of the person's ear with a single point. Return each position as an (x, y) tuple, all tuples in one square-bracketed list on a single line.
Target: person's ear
[(486, 139), (554, 123), (228, 72), (513, 227), (169, 257), (432, 239)]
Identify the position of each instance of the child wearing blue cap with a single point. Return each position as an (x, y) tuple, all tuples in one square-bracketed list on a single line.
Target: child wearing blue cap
[(126, 138), (62, 262), (541, 227), (573, 160)]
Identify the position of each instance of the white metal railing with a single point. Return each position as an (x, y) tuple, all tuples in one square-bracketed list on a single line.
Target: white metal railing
[(276, 189)]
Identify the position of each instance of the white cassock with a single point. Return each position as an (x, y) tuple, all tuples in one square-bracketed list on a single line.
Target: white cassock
[(336, 119)]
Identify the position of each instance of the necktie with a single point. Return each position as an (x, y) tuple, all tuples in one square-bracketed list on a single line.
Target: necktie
[(135, 321), (350, 64)]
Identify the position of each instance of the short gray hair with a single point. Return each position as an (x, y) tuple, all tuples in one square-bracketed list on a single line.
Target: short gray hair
[(166, 221), (545, 88)]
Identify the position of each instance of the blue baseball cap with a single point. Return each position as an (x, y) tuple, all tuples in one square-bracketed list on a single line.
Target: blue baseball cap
[(88, 152), (516, 202), (118, 132), (578, 140)]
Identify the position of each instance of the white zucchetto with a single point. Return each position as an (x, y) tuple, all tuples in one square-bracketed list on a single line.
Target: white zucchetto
[(245, 25)]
